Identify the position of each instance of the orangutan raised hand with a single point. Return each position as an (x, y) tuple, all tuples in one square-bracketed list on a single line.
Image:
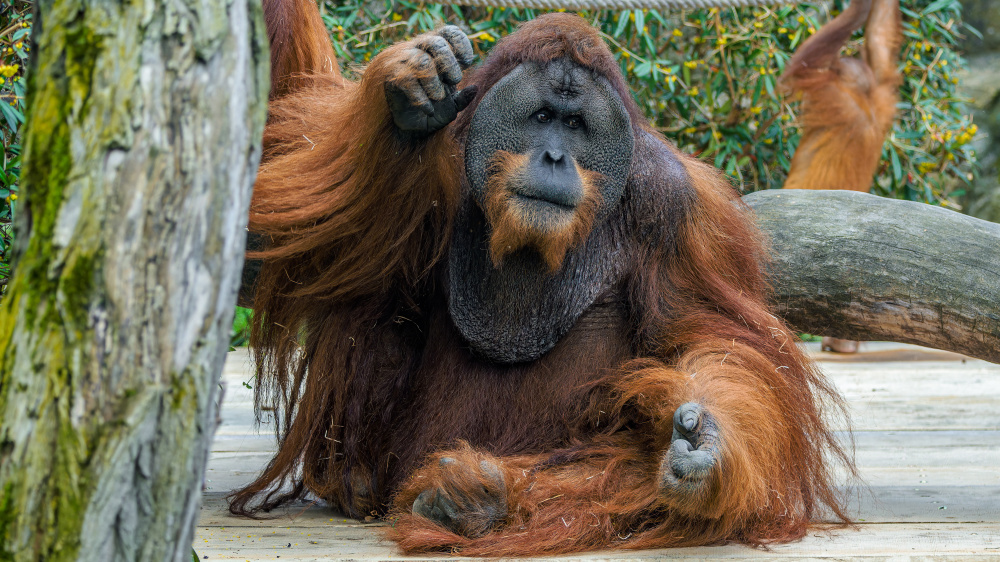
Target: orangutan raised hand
[(421, 85)]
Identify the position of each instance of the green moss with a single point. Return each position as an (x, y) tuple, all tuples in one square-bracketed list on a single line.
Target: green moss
[(70, 490), (181, 387), (77, 286), (8, 517)]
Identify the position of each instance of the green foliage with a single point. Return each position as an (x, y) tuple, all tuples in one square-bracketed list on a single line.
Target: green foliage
[(15, 32), (241, 327), (708, 80)]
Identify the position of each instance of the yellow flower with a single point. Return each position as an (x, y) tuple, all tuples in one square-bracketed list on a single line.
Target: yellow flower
[(691, 64), (812, 30), (625, 54), (768, 141), (487, 37), (645, 30), (13, 197), (18, 45), (397, 17), (782, 30), (698, 40), (973, 129), (947, 136), (944, 63), (693, 91), (690, 130), (678, 33), (756, 110), (801, 19), (925, 167), (916, 56), (721, 41), (758, 25), (717, 135)]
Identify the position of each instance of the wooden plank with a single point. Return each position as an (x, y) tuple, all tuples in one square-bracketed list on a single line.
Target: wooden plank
[(927, 443), (918, 503), (893, 542), (947, 395)]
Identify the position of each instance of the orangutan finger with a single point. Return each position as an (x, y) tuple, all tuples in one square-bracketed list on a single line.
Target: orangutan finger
[(444, 60), (460, 44)]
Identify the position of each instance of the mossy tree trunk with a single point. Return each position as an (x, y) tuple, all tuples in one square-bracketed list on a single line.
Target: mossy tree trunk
[(857, 266), (142, 144)]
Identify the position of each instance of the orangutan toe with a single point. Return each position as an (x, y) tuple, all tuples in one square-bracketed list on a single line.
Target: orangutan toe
[(470, 501), (694, 451)]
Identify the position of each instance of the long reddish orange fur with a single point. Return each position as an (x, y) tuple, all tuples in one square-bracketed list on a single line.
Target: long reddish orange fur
[(357, 221), (300, 46), (718, 345), (848, 104)]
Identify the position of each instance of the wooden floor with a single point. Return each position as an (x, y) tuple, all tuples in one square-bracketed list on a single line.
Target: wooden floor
[(927, 431)]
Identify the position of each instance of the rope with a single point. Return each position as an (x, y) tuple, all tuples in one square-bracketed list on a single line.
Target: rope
[(664, 5)]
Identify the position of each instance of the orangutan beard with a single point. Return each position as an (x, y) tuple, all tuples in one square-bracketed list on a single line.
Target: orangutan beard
[(518, 223)]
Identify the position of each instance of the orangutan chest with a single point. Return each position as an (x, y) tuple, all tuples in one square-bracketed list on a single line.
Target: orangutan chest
[(521, 407)]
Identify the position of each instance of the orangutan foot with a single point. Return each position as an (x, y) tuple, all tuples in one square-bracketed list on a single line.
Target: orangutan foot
[(694, 451), (838, 345), (470, 501)]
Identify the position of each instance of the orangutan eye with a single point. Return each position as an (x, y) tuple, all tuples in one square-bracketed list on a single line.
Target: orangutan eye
[(543, 116), (573, 121)]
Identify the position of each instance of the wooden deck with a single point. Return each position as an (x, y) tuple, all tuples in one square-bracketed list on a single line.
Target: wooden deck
[(927, 430)]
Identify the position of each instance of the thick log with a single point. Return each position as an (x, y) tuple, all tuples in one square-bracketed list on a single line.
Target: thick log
[(142, 144), (857, 266)]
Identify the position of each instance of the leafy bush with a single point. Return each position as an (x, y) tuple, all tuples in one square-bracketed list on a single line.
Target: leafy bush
[(708, 80), (15, 30), (241, 327)]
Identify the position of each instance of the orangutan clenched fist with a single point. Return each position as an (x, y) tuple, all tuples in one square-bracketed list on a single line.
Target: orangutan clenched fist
[(421, 87)]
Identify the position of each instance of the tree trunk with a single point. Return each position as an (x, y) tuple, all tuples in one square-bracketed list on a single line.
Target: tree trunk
[(857, 266), (142, 145)]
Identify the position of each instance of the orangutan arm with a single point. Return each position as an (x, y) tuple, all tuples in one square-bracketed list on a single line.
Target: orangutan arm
[(357, 191), (300, 46), (848, 104)]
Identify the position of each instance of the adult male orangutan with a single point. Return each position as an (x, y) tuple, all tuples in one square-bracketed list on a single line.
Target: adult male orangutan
[(500, 308)]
